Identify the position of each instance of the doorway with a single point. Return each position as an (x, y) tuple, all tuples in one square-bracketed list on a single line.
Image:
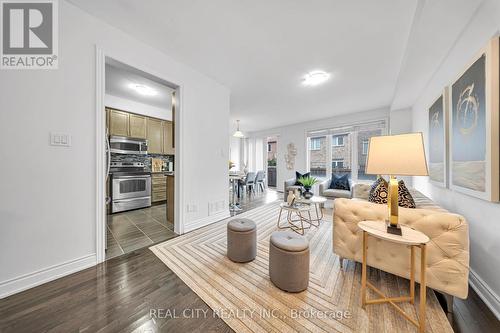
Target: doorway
[(136, 124), (272, 161)]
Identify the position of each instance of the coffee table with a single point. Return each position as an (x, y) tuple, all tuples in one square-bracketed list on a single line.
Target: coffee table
[(299, 210), (318, 202)]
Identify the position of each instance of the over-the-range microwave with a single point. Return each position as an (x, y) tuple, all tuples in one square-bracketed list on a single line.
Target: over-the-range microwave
[(126, 145)]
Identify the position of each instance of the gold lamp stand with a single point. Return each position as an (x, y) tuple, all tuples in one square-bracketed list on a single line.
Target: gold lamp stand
[(393, 227)]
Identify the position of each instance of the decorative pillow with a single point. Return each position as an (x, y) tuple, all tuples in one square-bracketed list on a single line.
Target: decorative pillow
[(379, 194), (340, 183), (298, 175), (404, 197)]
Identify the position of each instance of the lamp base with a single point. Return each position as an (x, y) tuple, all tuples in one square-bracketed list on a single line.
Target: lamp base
[(395, 230)]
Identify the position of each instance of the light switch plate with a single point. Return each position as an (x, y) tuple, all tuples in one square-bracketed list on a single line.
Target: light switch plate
[(60, 139)]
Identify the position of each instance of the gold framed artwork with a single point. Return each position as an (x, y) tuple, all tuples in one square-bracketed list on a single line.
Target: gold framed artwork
[(474, 126)]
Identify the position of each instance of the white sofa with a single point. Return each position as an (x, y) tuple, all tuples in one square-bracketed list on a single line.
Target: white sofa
[(447, 268)]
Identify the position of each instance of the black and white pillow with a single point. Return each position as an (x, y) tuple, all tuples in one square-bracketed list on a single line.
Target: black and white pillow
[(379, 194)]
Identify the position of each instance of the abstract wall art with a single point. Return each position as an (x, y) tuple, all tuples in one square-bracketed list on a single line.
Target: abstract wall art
[(438, 140), (474, 121)]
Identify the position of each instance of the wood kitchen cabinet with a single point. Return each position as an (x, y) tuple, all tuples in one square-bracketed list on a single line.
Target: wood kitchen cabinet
[(154, 133), (168, 142), (137, 126), (159, 187), (118, 123)]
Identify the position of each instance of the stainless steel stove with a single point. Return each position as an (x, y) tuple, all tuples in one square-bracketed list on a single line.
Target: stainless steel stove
[(130, 186)]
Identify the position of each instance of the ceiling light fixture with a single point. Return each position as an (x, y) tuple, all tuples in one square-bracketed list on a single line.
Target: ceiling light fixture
[(238, 133), (144, 90), (315, 77)]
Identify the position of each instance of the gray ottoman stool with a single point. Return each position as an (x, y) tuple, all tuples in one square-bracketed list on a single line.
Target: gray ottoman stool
[(289, 261), (241, 240)]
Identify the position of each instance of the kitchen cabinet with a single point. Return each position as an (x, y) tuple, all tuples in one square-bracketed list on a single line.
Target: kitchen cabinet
[(137, 126), (118, 123), (159, 187), (168, 142), (154, 133)]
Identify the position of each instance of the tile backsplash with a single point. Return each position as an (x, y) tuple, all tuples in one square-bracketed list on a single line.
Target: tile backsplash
[(146, 159)]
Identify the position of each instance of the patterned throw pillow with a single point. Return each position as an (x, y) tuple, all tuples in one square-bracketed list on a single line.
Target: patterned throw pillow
[(372, 197), (340, 183), (379, 194)]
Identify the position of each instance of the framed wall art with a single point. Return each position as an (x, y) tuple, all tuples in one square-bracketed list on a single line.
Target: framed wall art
[(474, 126), (438, 140)]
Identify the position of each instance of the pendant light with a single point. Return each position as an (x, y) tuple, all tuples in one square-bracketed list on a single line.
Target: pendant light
[(238, 133)]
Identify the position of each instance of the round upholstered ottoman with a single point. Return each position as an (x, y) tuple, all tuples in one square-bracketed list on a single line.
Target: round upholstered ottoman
[(241, 240), (289, 261)]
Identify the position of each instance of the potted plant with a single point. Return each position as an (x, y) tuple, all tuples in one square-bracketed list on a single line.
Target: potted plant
[(308, 183)]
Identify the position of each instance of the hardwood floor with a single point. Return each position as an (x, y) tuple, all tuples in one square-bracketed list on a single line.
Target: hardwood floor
[(121, 294)]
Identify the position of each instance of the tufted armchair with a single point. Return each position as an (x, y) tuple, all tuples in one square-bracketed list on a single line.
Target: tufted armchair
[(447, 268)]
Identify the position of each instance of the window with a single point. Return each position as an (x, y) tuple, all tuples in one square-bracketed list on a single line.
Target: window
[(315, 143), (337, 164), (364, 147), (338, 140), (342, 150), (317, 156)]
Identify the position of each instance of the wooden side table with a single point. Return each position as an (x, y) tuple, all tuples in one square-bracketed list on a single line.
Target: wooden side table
[(412, 238)]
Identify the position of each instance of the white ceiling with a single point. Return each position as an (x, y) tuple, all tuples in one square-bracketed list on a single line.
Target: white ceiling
[(380, 53), (120, 77)]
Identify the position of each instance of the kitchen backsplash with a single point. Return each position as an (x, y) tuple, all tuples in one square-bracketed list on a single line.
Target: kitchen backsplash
[(146, 159)]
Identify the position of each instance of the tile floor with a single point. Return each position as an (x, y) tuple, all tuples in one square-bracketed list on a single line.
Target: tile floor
[(132, 230)]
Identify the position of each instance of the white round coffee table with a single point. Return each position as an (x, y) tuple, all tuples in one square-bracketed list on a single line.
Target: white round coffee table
[(318, 202), (297, 224)]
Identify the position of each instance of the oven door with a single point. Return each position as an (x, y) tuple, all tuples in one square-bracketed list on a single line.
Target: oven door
[(119, 145), (128, 187)]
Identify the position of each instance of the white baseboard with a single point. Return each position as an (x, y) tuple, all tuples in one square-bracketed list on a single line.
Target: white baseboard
[(489, 297), (206, 221), (42, 276)]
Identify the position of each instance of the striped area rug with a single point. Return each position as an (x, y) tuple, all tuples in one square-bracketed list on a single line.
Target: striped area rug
[(244, 297)]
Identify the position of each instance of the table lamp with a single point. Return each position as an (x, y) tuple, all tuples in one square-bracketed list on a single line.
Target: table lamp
[(402, 155)]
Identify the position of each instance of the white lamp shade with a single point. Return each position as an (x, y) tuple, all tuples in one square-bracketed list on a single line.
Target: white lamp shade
[(402, 155), (238, 134)]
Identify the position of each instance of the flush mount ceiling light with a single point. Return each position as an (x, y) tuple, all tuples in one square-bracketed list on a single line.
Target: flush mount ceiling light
[(238, 133), (143, 90), (315, 77)]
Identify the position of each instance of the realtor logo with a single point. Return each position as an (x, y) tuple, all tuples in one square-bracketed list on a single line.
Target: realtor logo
[(29, 34)]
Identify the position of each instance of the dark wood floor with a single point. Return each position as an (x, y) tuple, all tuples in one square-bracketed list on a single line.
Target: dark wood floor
[(124, 293)]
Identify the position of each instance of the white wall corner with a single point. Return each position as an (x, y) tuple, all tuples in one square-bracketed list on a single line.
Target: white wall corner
[(489, 297), (45, 275)]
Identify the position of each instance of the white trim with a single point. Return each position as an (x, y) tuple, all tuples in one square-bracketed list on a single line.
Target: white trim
[(484, 291), (206, 221), (100, 67), (179, 180), (45, 275)]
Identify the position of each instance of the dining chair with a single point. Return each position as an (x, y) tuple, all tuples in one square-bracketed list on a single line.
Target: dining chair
[(259, 180), (249, 182)]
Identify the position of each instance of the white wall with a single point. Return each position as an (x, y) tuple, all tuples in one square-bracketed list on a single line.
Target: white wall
[(297, 134), (124, 104), (47, 201), (483, 216)]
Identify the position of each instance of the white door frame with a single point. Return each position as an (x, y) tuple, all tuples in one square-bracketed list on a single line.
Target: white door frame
[(101, 149)]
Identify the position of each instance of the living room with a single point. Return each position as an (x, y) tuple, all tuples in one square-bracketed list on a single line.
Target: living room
[(322, 98)]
